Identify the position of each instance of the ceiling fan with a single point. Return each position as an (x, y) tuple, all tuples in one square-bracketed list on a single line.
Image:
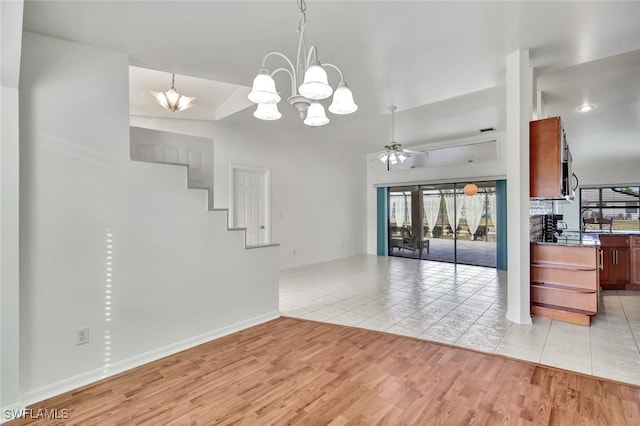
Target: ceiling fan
[(393, 152)]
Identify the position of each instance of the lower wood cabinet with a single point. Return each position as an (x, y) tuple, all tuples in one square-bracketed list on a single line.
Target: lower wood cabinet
[(635, 260), (564, 282), (616, 259)]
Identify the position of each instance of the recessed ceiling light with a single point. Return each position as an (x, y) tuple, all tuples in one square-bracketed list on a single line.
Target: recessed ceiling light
[(585, 108)]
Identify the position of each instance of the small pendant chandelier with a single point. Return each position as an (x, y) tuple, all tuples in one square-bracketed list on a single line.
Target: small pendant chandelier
[(304, 97), (393, 152), (172, 100)]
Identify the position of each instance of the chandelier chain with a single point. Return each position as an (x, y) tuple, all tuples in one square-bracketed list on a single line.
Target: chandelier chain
[(309, 83), (302, 5)]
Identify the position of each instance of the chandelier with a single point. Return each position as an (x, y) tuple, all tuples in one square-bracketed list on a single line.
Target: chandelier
[(172, 100), (393, 152), (304, 97)]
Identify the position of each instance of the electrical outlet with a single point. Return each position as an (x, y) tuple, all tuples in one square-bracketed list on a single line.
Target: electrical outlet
[(82, 336)]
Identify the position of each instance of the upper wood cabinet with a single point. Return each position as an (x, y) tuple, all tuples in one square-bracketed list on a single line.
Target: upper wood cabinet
[(550, 173)]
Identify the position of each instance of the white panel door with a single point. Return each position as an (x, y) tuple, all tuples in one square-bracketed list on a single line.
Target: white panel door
[(250, 204)]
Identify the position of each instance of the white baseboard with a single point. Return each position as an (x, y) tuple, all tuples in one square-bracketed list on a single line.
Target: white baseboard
[(71, 383)]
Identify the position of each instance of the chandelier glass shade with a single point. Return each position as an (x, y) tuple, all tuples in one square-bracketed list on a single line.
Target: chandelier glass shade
[(314, 87), (342, 100), (264, 89), (171, 99), (316, 83), (267, 112), (316, 115)]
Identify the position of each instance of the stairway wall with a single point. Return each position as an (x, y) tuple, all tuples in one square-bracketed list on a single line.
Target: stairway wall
[(318, 192), (165, 147), (112, 244)]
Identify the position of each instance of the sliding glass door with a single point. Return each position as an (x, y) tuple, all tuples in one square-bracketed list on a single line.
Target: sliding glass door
[(442, 223)]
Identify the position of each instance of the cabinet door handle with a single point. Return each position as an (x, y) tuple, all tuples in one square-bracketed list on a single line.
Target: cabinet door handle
[(601, 259), (615, 257)]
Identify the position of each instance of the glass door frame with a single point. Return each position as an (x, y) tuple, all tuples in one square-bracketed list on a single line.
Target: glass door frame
[(418, 222)]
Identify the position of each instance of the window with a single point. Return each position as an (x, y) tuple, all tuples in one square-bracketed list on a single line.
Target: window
[(615, 206)]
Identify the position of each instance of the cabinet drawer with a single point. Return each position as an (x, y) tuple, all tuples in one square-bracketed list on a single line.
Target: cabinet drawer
[(614, 240), (635, 241), (564, 298), (580, 257), (578, 279)]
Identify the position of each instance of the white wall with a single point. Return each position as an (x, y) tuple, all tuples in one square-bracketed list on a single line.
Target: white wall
[(317, 198), (9, 246), (96, 225), (10, 45), (377, 174)]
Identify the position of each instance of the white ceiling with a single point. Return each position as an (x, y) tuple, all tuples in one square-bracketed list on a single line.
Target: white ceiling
[(442, 63)]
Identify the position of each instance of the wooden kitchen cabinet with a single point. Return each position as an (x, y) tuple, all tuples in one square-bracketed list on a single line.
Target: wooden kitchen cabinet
[(635, 261), (564, 282), (615, 262), (549, 160)]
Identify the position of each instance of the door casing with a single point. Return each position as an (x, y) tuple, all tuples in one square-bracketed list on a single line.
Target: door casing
[(266, 196)]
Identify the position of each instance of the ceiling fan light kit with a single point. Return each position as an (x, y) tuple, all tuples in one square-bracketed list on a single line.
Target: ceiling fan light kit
[(393, 152), (171, 99), (315, 84)]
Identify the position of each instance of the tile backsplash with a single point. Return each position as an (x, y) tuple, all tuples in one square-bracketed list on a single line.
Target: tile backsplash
[(537, 210), (540, 207)]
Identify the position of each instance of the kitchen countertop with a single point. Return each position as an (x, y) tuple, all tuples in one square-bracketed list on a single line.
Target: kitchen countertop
[(614, 232), (575, 239)]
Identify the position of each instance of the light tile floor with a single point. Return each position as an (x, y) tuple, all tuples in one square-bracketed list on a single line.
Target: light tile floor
[(463, 306)]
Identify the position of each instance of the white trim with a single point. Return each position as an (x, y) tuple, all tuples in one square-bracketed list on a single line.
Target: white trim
[(94, 375), (267, 197), (439, 181)]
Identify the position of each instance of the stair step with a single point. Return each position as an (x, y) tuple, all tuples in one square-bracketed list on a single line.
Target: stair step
[(254, 246)]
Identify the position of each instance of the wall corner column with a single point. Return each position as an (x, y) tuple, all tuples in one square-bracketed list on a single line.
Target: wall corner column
[(382, 201), (519, 105), (11, 18)]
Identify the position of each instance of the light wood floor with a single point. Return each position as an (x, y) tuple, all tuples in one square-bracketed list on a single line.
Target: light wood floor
[(297, 371)]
